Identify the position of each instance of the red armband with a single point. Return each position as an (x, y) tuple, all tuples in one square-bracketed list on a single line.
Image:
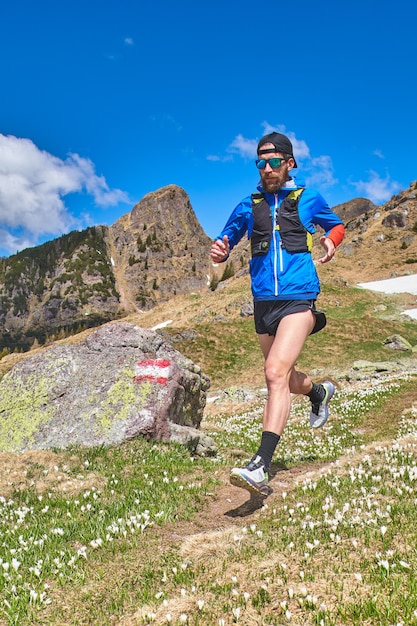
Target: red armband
[(337, 234)]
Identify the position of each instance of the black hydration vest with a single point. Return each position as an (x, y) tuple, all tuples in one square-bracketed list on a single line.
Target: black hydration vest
[(294, 237)]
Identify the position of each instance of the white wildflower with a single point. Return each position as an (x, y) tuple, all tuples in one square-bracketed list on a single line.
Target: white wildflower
[(15, 564)]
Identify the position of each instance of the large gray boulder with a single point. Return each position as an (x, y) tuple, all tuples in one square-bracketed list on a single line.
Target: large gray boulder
[(120, 382)]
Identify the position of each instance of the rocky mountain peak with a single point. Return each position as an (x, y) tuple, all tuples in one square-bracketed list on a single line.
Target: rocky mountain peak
[(89, 277), (159, 249)]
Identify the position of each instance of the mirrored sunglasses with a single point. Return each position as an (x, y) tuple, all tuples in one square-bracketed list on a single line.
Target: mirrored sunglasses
[(274, 162)]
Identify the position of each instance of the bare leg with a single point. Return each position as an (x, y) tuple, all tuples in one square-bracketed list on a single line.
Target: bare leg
[(281, 353), (300, 383)]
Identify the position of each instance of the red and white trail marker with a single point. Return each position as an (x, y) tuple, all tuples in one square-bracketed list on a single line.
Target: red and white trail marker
[(152, 370)]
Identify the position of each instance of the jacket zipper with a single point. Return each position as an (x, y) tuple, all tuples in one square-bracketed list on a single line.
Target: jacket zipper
[(275, 248)]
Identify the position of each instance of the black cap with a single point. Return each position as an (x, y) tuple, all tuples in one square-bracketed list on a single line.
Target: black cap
[(281, 143)]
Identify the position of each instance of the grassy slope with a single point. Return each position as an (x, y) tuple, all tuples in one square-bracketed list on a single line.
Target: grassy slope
[(211, 554), (226, 347)]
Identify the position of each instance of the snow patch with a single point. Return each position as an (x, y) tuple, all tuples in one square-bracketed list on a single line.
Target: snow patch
[(401, 284), (161, 325), (411, 313)]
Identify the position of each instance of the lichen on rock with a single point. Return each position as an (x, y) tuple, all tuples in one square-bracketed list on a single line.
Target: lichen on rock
[(122, 381)]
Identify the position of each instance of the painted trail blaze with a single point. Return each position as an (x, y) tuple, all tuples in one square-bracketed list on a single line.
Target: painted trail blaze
[(152, 370)]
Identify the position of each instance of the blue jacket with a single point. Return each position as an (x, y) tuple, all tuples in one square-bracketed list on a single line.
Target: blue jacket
[(282, 275)]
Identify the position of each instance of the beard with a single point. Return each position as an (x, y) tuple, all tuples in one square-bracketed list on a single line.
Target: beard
[(272, 182)]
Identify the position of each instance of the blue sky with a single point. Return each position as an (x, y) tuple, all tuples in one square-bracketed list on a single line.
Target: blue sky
[(104, 102)]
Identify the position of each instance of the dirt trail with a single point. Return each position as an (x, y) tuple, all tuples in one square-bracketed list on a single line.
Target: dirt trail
[(214, 529), (233, 507)]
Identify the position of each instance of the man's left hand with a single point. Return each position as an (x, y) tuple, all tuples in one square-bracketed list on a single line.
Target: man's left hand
[(329, 248)]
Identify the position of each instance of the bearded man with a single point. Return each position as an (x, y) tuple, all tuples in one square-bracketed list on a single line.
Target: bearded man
[(280, 219)]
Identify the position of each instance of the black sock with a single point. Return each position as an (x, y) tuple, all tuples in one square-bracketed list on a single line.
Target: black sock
[(317, 393), (266, 450)]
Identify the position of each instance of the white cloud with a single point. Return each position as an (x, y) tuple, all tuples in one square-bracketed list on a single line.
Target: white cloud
[(95, 185), (12, 243), (33, 184), (379, 154), (300, 148), (321, 172), (267, 128), (129, 41), (245, 148), (222, 159), (377, 189)]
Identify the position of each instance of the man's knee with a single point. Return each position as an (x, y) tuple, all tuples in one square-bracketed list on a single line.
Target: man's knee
[(276, 374)]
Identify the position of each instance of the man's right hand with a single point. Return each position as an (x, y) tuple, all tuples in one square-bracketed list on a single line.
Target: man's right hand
[(220, 249)]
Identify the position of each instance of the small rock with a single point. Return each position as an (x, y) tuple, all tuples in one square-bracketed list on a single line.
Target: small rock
[(396, 342)]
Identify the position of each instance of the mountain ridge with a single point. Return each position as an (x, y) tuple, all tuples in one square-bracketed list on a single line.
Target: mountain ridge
[(159, 250), (89, 277)]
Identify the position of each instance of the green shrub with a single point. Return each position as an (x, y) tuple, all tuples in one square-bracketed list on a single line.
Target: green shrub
[(229, 271)]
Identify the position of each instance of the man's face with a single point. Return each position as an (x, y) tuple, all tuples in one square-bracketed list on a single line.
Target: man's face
[(274, 178)]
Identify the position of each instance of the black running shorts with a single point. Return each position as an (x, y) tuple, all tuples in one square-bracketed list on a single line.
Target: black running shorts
[(269, 313)]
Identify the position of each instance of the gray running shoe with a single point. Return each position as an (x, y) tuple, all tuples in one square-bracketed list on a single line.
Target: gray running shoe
[(253, 477), (320, 412)]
